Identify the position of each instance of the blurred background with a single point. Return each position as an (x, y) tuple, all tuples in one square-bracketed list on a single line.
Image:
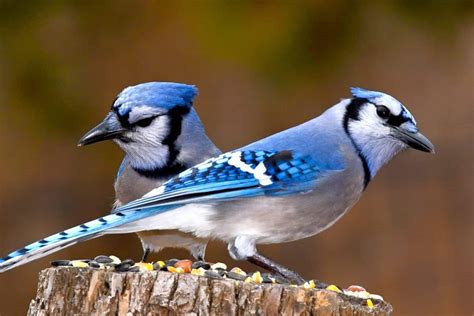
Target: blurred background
[(261, 67)]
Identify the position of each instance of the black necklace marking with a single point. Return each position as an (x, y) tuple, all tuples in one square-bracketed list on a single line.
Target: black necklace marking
[(175, 116), (352, 112), (166, 172), (172, 166)]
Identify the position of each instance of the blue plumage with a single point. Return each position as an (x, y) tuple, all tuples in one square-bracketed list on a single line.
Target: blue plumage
[(89, 230), (383, 99), (159, 130), (122, 166), (214, 179), (265, 171), (279, 189), (218, 170), (163, 95), (365, 94)]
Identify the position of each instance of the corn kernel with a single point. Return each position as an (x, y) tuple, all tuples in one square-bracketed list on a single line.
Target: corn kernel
[(175, 270), (144, 266), (161, 264), (309, 285), (79, 264), (333, 288), (370, 304), (257, 277), (199, 271), (238, 271)]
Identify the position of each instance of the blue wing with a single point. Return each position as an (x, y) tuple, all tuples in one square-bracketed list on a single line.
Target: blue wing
[(236, 174)]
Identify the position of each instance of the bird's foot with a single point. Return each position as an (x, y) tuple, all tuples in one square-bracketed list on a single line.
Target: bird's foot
[(146, 253), (276, 268), (291, 276)]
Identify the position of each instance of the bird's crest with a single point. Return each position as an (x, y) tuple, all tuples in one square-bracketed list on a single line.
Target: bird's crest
[(165, 95), (365, 94)]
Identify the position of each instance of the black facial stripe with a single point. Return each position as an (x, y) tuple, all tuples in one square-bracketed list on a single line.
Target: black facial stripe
[(353, 109), (175, 116), (352, 113), (124, 139), (397, 120), (123, 119), (112, 107), (145, 122), (172, 167), (166, 171)]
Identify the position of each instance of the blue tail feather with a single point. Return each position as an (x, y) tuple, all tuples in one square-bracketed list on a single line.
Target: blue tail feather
[(71, 236)]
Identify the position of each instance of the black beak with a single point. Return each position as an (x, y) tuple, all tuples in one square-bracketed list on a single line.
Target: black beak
[(415, 140), (110, 128)]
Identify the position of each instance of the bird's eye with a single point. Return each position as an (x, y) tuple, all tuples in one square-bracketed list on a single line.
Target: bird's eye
[(145, 122), (383, 111)]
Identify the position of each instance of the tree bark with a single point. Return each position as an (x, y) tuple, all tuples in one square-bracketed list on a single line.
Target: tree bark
[(76, 291)]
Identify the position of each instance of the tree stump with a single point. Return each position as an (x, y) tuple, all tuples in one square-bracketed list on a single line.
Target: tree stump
[(76, 291)]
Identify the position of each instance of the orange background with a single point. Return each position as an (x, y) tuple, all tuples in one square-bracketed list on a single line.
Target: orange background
[(261, 68)]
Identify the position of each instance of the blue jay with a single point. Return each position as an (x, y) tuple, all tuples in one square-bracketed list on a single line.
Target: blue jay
[(285, 187), (159, 130)]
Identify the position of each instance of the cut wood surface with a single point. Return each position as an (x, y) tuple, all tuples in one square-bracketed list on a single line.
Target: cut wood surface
[(76, 291)]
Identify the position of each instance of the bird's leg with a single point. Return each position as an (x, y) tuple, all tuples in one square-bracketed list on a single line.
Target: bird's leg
[(243, 248), (198, 250), (276, 268), (146, 252)]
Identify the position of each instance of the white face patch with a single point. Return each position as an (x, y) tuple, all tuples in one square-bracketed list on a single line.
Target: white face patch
[(396, 107), (145, 150), (373, 137), (379, 98), (370, 122), (373, 128), (390, 102), (142, 112)]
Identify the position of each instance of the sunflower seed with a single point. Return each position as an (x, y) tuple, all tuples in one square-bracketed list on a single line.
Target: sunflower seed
[(123, 267), (201, 264), (61, 263), (236, 276), (103, 259), (212, 274), (171, 262), (94, 264)]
